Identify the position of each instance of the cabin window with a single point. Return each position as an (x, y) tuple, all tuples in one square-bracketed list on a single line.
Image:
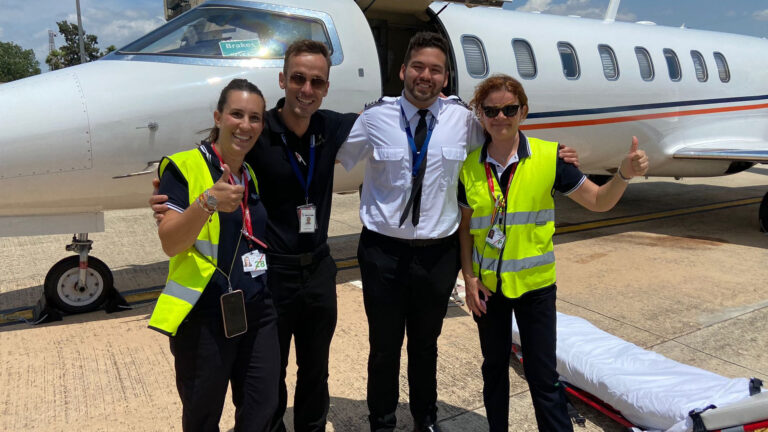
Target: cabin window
[(645, 63), (526, 63), (610, 66), (231, 32), (673, 65), (569, 60), (722, 67), (699, 65), (474, 54)]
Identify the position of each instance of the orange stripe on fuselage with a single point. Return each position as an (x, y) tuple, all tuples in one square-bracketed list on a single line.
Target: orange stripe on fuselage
[(639, 117)]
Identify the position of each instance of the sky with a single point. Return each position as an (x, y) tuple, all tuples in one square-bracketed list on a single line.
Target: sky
[(118, 22)]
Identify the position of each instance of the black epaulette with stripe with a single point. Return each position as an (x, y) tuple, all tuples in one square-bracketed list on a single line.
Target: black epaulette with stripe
[(374, 103), (458, 101)]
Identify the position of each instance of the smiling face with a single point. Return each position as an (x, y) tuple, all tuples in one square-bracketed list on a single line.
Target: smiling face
[(240, 122), (502, 127), (424, 76), (305, 82)]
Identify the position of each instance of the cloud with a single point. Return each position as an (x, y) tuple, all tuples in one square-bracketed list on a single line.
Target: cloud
[(1, 32), (117, 27), (760, 15)]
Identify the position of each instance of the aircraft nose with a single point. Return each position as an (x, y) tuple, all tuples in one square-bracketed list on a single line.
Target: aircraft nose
[(45, 126)]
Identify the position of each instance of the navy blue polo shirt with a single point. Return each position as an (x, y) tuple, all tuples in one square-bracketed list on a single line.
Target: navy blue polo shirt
[(280, 188), (568, 178), (173, 184)]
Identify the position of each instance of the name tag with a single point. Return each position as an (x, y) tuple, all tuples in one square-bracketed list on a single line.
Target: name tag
[(496, 238), (254, 262), (307, 218)]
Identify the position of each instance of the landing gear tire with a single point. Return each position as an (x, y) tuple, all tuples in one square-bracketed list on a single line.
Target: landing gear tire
[(62, 290), (763, 215)]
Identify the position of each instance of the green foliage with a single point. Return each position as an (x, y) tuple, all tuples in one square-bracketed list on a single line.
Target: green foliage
[(16, 62), (69, 53)]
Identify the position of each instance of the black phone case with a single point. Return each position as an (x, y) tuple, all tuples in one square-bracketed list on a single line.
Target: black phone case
[(233, 313)]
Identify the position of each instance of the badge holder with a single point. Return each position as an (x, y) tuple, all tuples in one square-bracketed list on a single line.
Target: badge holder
[(255, 262), (233, 313), (307, 218)]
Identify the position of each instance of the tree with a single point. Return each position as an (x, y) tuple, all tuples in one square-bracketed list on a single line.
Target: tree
[(16, 62), (69, 53)]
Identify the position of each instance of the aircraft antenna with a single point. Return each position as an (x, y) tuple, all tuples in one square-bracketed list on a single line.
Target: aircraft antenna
[(613, 9)]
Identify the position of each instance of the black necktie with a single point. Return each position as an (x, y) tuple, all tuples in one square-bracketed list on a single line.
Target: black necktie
[(415, 198)]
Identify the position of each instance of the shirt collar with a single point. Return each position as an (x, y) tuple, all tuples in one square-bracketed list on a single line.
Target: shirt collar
[(523, 148), (411, 110)]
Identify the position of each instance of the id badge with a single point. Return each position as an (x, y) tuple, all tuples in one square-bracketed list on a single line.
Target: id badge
[(233, 313), (254, 262), (496, 237), (307, 218)]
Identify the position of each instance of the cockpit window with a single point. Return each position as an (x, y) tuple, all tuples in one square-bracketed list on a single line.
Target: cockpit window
[(229, 32)]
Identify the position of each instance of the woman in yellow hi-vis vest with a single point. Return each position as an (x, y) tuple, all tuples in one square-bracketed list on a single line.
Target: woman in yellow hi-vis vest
[(216, 307), (507, 255)]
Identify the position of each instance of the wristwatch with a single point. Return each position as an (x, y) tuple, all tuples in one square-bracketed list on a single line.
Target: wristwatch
[(208, 201)]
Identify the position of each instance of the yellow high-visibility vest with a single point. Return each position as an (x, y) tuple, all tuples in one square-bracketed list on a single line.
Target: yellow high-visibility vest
[(527, 260), (190, 271)]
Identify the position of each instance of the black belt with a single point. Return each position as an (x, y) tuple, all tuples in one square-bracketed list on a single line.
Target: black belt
[(412, 242), (305, 259)]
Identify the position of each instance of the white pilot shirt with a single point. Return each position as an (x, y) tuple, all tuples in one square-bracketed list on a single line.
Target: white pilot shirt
[(379, 136)]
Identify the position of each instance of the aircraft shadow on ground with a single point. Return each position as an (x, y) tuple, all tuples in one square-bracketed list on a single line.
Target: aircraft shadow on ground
[(652, 198), (151, 277)]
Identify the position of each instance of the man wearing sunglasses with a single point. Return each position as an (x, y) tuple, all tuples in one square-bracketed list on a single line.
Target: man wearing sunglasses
[(293, 160)]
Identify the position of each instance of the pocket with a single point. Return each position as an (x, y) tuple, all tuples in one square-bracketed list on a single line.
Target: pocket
[(389, 163), (452, 160)]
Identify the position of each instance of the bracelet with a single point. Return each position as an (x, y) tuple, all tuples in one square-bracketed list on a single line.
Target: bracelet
[(621, 176)]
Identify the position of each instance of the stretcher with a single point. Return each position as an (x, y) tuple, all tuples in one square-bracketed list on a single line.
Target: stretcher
[(645, 391)]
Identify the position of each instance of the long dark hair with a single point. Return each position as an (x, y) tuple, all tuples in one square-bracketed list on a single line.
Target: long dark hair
[(237, 84)]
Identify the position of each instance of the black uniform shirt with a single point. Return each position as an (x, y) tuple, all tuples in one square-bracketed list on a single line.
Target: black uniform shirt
[(173, 184), (279, 187), (568, 178)]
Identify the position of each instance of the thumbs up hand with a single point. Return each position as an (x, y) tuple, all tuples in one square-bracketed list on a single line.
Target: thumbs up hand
[(635, 163), (228, 196)]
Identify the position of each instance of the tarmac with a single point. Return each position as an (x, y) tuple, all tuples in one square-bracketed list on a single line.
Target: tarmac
[(678, 267)]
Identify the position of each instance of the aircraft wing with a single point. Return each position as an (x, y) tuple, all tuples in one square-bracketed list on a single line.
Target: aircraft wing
[(755, 152)]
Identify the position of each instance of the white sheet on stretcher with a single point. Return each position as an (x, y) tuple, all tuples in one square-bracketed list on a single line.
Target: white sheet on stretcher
[(648, 389)]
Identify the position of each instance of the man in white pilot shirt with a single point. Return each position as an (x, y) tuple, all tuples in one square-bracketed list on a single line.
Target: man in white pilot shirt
[(415, 146)]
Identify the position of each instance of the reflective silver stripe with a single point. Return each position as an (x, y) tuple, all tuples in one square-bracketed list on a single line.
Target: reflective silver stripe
[(514, 265), (479, 222), (175, 289), (207, 249), (540, 217)]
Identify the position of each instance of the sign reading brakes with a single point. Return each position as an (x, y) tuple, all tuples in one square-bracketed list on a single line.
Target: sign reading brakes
[(240, 48)]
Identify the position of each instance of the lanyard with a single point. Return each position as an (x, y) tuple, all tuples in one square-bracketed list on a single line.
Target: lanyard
[(247, 226), (501, 201), (417, 155), (295, 165)]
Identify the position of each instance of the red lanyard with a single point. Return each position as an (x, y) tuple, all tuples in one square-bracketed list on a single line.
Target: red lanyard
[(500, 202), (247, 227)]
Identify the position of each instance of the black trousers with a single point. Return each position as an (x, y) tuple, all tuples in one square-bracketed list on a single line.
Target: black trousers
[(536, 321), (405, 290), (305, 297), (206, 362)]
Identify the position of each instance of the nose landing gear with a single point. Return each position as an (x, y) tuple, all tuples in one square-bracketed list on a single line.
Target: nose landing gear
[(763, 214), (78, 283)]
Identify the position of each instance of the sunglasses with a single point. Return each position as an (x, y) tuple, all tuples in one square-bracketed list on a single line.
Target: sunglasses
[(508, 110), (299, 80)]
